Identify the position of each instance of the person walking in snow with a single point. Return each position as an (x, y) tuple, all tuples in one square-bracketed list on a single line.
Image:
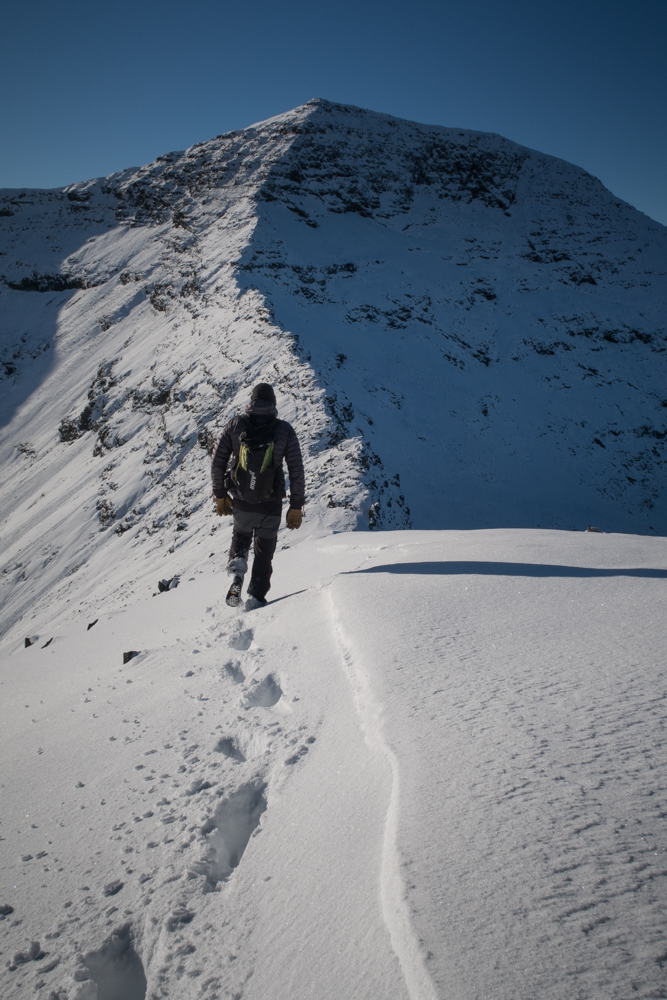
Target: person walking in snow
[(249, 483)]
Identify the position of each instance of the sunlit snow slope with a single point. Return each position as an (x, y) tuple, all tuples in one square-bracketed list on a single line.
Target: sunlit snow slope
[(464, 332)]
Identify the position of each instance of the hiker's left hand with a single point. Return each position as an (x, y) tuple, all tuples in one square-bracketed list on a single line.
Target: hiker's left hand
[(294, 518)]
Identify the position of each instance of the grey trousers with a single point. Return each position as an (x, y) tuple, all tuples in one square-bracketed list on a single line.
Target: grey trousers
[(264, 529), (260, 525)]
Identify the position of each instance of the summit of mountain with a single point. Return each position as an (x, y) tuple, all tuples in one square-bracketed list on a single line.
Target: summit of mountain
[(464, 332)]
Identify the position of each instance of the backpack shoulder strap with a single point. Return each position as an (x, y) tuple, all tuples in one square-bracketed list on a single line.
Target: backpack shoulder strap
[(268, 457), (242, 459)]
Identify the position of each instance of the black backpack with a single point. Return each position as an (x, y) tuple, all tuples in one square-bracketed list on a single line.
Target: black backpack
[(252, 470)]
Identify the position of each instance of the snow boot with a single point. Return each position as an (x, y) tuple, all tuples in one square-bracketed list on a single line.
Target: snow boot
[(255, 602), (233, 598), (236, 568)]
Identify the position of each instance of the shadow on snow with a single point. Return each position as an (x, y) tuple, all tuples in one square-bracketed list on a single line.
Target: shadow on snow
[(505, 569)]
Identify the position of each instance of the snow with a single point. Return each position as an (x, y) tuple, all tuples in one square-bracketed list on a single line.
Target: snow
[(433, 766), (466, 333)]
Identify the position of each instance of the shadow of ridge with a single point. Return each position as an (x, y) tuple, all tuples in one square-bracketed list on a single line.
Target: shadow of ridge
[(504, 569)]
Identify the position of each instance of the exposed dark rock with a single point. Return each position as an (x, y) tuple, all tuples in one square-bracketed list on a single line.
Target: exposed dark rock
[(47, 283)]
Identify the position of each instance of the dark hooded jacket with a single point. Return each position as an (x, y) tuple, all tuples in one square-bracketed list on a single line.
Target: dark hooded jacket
[(285, 447)]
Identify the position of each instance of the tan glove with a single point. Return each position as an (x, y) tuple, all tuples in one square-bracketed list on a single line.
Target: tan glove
[(294, 518), (224, 505)]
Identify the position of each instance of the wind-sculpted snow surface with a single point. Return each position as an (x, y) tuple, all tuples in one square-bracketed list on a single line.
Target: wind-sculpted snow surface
[(526, 707), (464, 333), (433, 766)]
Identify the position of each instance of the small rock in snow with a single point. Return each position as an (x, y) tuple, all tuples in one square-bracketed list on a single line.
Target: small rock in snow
[(111, 888), (178, 918), (35, 950)]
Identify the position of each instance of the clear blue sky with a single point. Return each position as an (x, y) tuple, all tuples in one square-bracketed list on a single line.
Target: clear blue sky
[(90, 88)]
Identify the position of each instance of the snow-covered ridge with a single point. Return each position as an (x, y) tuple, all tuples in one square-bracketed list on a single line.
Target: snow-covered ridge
[(464, 332)]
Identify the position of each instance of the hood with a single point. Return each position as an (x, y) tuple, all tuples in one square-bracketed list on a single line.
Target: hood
[(261, 408)]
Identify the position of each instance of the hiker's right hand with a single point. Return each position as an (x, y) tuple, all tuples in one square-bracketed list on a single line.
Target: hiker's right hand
[(224, 505)]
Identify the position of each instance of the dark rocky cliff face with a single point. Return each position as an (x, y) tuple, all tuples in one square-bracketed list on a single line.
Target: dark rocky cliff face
[(465, 332)]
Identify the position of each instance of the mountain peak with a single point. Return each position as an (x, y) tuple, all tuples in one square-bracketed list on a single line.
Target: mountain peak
[(464, 332)]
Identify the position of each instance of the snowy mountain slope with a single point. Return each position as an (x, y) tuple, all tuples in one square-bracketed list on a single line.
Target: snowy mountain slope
[(105, 448), (463, 331), (433, 767), (491, 320)]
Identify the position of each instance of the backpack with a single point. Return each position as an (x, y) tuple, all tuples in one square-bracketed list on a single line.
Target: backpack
[(252, 471)]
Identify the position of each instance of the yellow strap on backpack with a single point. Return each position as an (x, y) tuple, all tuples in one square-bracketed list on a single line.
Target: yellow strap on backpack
[(268, 458), (243, 458)]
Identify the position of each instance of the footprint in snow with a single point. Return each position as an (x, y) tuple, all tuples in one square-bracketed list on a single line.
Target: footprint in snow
[(227, 745), (242, 640), (264, 693), (228, 831), (233, 669), (115, 969)]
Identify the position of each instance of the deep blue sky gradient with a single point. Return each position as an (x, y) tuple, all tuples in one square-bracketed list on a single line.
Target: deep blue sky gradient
[(87, 89)]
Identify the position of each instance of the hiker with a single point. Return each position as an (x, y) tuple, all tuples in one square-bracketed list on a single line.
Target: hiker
[(249, 482)]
